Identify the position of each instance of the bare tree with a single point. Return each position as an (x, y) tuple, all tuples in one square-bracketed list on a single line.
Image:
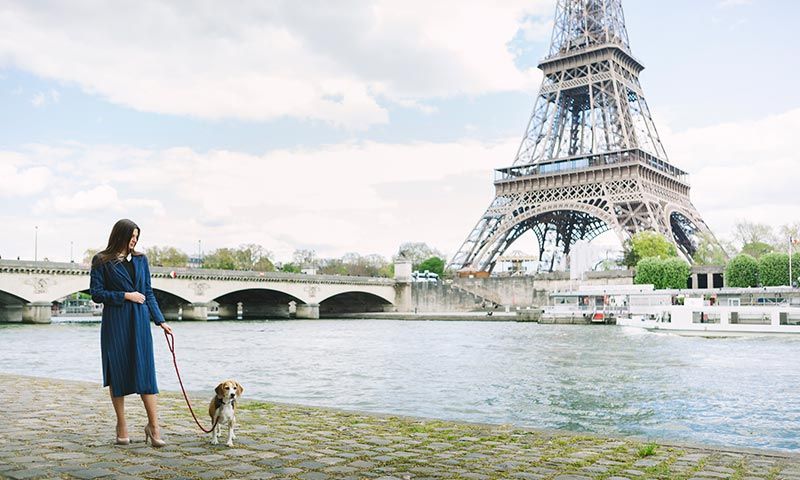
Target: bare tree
[(418, 252), (304, 258), (785, 232), (750, 232)]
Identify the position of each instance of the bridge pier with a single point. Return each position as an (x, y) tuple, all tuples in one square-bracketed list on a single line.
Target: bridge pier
[(402, 288), (264, 310), (404, 299), (170, 312), (195, 311), (308, 311), (228, 311), (11, 313), (37, 312)]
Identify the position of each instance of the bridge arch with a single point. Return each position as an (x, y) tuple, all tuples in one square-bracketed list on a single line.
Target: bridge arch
[(567, 222), (257, 303), (8, 298), (354, 302)]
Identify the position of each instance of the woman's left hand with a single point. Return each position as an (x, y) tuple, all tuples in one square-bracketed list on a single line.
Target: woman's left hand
[(166, 327)]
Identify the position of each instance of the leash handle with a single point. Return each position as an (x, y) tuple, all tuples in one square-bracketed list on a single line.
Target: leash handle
[(171, 346)]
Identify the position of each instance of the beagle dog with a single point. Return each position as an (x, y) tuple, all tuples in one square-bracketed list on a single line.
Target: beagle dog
[(222, 409)]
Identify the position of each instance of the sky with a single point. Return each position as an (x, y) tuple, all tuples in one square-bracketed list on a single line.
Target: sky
[(352, 126)]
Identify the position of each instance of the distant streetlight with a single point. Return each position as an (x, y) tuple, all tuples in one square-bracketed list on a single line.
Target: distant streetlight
[(792, 241), (71, 259), (36, 243)]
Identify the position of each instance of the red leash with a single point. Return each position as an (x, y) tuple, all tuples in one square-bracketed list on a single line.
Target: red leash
[(171, 346)]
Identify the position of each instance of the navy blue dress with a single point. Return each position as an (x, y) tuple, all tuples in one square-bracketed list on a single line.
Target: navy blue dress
[(126, 343)]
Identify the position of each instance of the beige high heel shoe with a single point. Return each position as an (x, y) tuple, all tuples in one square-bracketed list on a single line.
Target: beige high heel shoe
[(123, 440), (148, 435)]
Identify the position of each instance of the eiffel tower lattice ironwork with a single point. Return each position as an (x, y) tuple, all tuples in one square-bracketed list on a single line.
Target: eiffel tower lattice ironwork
[(591, 159)]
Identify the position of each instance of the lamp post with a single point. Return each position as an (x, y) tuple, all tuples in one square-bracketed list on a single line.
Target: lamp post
[(71, 258), (791, 244), (36, 243)]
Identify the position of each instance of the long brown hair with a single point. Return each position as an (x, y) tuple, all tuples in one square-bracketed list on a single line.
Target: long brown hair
[(118, 241)]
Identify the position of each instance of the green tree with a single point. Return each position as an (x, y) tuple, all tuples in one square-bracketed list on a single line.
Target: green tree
[(166, 256), (709, 251), (221, 259), (246, 257), (773, 269), (290, 268), (796, 267), (254, 257), (372, 265), (332, 266), (742, 271), (675, 272), (647, 244), (662, 273), (757, 249), (648, 271), (433, 264)]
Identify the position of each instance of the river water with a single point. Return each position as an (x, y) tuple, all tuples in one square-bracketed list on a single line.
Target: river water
[(599, 379)]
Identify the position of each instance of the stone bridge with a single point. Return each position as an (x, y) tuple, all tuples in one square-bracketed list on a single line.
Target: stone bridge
[(28, 290)]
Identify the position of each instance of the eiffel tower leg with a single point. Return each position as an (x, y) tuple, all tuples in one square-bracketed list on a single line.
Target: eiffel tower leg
[(466, 257), (686, 225)]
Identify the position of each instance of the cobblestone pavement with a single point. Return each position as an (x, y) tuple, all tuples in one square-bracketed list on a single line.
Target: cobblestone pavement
[(65, 429)]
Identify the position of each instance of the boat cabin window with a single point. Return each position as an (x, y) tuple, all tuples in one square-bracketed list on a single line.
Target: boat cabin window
[(704, 317), (734, 302), (748, 318), (770, 300), (790, 318)]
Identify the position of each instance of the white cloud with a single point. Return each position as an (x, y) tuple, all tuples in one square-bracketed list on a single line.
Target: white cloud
[(743, 170), (262, 60), (99, 198), (360, 196), (19, 177), (733, 3), (537, 29), (40, 99)]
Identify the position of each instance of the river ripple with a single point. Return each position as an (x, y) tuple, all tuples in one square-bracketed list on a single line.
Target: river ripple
[(600, 379)]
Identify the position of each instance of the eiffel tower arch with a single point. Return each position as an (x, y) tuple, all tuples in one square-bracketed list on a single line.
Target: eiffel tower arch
[(591, 159)]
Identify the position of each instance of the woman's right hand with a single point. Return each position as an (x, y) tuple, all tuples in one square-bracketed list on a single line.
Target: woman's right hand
[(135, 297)]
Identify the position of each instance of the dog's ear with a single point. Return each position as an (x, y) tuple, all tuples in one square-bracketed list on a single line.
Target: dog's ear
[(239, 389), (219, 389)]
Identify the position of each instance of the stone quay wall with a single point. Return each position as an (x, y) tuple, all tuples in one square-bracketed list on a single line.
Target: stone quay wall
[(51, 435)]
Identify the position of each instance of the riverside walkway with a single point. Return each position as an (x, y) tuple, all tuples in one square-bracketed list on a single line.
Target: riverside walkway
[(64, 429)]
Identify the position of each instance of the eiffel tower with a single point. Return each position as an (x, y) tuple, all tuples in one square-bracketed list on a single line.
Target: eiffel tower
[(591, 159)]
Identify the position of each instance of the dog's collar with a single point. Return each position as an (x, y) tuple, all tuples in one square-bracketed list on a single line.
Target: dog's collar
[(219, 402)]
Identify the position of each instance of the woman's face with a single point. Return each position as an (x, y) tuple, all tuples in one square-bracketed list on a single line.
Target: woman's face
[(134, 239)]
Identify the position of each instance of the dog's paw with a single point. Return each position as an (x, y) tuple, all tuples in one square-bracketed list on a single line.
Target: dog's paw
[(214, 441), (230, 444)]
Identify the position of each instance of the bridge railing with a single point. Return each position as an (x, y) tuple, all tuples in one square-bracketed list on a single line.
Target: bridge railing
[(70, 268)]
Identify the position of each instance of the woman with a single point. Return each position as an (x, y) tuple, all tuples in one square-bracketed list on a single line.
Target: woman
[(119, 274)]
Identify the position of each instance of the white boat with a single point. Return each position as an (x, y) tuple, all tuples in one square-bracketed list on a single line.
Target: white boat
[(723, 311), (699, 317)]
